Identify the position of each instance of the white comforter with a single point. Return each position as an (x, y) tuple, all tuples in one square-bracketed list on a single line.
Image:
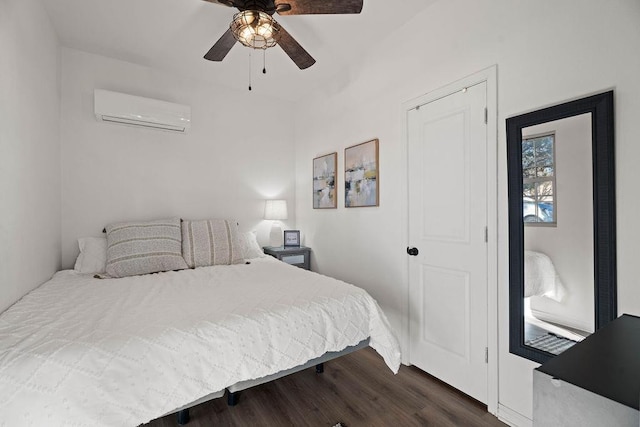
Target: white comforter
[(540, 277), (117, 352)]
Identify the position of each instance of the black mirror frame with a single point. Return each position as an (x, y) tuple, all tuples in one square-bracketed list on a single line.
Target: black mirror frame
[(604, 213)]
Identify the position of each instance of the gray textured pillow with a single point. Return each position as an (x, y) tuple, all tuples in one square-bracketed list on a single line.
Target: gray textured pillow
[(211, 242), (144, 247)]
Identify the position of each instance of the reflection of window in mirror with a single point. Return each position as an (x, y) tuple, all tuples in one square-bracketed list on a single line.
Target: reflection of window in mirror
[(539, 180)]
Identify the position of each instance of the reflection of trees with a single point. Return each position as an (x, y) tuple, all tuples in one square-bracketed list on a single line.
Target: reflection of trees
[(538, 169), (545, 189), (537, 157), (539, 190)]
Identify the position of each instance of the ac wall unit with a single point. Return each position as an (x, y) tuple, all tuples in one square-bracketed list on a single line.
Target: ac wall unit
[(133, 110)]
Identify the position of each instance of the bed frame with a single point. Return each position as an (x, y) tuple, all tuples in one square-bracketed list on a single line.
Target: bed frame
[(234, 390)]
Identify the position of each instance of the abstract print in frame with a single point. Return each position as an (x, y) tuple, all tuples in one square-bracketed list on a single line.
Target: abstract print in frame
[(325, 194), (361, 175)]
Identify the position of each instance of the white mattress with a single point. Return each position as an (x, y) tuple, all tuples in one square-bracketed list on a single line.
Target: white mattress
[(117, 352)]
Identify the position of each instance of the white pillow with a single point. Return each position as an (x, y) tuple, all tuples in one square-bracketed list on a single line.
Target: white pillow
[(93, 255), (250, 246)]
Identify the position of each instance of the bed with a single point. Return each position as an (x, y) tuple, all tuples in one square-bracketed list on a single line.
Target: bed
[(80, 350), (541, 278)]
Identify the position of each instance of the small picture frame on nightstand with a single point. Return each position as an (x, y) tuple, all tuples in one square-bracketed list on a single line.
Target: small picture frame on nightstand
[(291, 238)]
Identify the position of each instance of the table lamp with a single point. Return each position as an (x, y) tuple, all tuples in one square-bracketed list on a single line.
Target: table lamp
[(275, 210)]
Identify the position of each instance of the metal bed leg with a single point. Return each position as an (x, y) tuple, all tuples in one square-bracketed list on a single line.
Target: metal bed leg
[(183, 417), (319, 368), (233, 398)]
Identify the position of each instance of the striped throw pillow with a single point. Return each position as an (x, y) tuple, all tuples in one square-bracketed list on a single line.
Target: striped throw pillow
[(211, 242), (144, 247)]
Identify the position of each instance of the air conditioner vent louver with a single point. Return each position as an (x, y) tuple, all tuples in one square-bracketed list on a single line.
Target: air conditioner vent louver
[(133, 110)]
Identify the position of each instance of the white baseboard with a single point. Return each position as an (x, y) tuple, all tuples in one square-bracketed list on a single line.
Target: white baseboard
[(513, 418), (561, 320)]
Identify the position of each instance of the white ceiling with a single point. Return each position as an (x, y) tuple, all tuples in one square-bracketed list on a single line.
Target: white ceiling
[(173, 35)]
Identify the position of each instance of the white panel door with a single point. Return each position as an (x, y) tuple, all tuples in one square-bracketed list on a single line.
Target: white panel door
[(447, 223)]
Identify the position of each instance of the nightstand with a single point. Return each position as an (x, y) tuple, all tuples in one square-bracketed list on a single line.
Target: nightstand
[(300, 256)]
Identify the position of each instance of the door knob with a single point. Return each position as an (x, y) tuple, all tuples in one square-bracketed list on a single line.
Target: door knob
[(412, 251)]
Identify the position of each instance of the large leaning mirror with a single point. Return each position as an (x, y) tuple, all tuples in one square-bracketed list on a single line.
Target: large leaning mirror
[(562, 234)]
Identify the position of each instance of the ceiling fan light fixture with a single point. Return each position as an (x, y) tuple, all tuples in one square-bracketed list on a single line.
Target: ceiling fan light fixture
[(255, 29)]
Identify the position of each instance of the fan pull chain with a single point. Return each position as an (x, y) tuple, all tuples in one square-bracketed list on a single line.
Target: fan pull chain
[(249, 69), (264, 61)]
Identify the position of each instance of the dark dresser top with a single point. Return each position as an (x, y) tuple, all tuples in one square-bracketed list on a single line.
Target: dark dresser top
[(606, 363)]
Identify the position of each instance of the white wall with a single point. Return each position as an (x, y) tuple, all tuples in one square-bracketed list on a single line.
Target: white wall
[(29, 149), (237, 153), (569, 244), (547, 52)]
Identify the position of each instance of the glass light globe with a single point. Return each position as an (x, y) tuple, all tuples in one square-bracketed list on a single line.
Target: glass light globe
[(255, 29)]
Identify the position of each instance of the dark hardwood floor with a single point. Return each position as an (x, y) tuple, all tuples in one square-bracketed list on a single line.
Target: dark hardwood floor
[(356, 390)]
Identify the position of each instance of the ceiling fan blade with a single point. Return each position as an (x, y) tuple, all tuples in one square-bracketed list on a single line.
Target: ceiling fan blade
[(296, 52), (229, 3), (222, 47), (311, 7)]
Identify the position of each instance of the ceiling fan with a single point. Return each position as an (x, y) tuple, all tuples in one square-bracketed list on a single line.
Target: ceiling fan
[(254, 27)]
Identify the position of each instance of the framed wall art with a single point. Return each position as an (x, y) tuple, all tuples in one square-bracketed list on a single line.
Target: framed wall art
[(325, 192), (291, 238), (361, 175)]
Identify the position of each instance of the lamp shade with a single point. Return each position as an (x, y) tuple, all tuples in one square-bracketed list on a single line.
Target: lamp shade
[(275, 209)]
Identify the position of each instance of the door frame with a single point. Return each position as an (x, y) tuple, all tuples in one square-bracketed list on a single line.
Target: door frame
[(489, 76)]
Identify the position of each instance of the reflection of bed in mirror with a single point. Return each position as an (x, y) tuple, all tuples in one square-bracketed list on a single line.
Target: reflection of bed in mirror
[(541, 278), (552, 332)]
